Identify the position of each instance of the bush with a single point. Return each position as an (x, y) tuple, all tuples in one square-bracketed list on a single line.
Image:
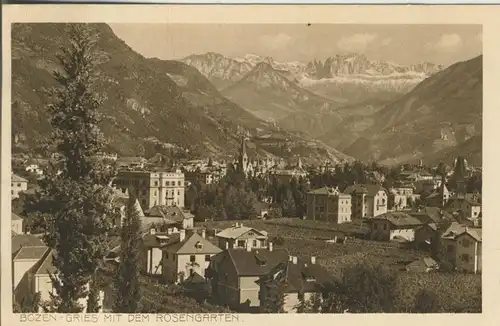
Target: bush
[(278, 240)]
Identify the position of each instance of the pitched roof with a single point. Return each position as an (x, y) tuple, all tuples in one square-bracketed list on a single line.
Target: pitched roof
[(25, 240), (455, 229), (370, 189), (189, 246), (257, 262), (16, 178), (32, 253), (476, 233), (431, 215), (173, 213), (15, 217), (427, 262), (154, 240), (328, 191), (46, 266), (398, 219), (305, 276), (237, 231)]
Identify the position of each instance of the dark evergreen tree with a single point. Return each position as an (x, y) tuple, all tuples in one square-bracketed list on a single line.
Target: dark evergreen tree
[(73, 203), (126, 285), (274, 300), (288, 204)]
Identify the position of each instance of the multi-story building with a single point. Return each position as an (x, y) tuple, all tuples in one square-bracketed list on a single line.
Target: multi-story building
[(394, 226), (302, 278), (329, 204), (235, 275), (462, 246), (367, 200), (17, 224), (187, 255), (18, 184), (153, 188)]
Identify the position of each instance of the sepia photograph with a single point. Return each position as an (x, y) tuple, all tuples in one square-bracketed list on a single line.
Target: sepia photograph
[(246, 168)]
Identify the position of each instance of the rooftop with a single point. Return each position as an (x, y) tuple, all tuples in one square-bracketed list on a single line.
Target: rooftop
[(257, 262), (194, 244), (304, 276), (31, 253), (398, 219), (25, 240), (16, 178), (370, 189), (328, 191), (237, 231), (173, 213)]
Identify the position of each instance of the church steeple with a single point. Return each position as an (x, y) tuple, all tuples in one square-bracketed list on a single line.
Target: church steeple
[(243, 157)]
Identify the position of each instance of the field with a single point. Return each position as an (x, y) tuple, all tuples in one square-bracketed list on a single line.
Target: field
[(455, 292), (304, 239)]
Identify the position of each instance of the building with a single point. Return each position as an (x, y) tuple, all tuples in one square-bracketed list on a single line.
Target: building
[(462, 246), (243, 164), (236, 274), (329, 204), (431, 215), (18, 184), (187, 256), (240, 237), (32, 267), (401, 196), (468, 205), (153, 243), (302, 278), (153, 188), (131, 162), (170, 216), (367, 200), (398, 226), (16, 223)]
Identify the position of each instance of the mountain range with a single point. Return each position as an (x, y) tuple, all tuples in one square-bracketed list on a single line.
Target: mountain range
[(151, 105)]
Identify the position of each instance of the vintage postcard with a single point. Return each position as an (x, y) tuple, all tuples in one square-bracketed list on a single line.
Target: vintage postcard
[(222, 164)]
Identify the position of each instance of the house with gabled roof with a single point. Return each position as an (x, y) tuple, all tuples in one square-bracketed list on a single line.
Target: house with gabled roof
[(398, 226), (186, 255), (469, 205), (235, 275), (240, 236), (302, 279), (463, 247), (367, 200), (33, 267)]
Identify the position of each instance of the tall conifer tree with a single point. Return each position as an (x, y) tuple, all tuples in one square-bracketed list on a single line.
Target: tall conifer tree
[(74, 200)]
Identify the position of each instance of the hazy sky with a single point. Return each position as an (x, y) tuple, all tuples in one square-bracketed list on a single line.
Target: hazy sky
[(403, 44)]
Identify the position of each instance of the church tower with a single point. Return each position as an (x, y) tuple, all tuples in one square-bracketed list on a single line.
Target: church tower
[(243, 157)]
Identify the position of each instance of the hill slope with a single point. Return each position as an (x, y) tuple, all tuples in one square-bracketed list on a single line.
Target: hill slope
[(438, 115), (151, 105)]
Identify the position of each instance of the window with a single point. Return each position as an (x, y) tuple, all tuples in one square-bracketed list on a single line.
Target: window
[(255, 243), (156, 192), (465, 243), (178, 183), (167, 183), (156, 183), (19, 185), (198, 245), (192, 258), (241, 243), (385, 226), (166, 255), (465, 258), (178, 193), (207, 257)]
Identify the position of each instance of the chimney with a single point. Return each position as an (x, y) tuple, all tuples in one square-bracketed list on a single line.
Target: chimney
[(203, 233), (169, 231), (182, 235), (249, 247), (152, 231), (313, 260), (294, 260), (290, 258), (270, 246)]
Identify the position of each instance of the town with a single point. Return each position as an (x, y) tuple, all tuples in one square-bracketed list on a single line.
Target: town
[(305, 221), (236, 224)]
